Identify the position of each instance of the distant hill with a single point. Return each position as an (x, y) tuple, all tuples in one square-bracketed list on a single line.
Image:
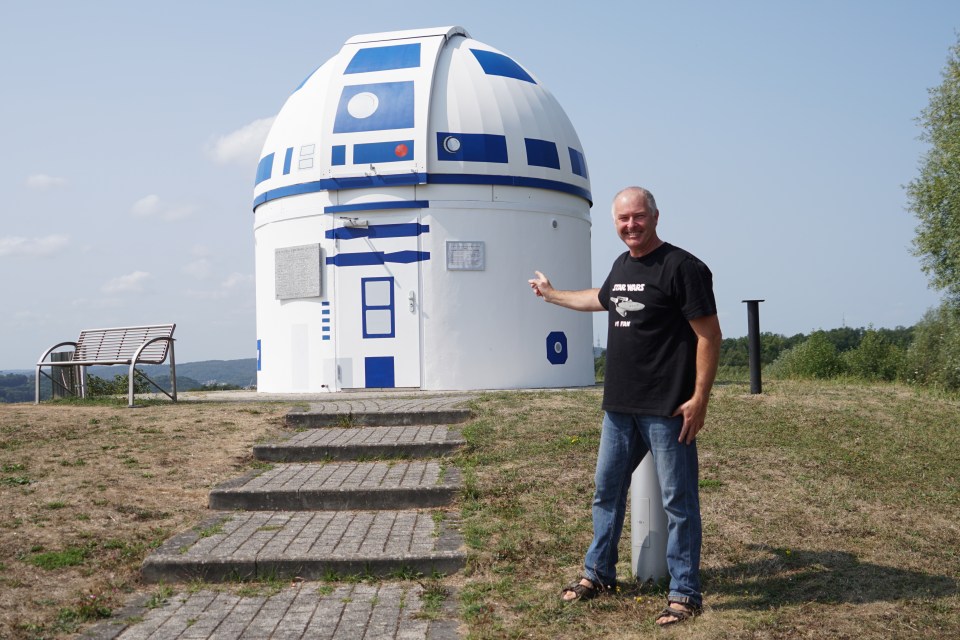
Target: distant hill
[(241, 373), (16, 385)]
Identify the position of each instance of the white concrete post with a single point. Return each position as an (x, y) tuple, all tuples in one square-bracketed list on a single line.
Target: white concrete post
[(648, 523)]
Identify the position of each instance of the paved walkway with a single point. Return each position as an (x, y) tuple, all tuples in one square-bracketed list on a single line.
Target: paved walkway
[(319, 513)]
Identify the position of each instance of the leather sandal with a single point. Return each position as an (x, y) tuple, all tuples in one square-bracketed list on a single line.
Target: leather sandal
[(678, 615), (581, 591)]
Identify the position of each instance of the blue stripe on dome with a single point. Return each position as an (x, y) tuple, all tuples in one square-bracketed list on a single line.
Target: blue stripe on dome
[(406, 179), (497, 64), (398, 56)]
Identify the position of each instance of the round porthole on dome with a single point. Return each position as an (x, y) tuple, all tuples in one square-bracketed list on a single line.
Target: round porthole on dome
[(451, 144), (363, 105)]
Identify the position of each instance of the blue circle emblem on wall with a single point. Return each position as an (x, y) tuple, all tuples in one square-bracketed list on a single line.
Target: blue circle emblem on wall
[(557, 347)]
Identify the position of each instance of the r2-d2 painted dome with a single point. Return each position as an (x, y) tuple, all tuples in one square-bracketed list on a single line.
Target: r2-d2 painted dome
[(406, 192)]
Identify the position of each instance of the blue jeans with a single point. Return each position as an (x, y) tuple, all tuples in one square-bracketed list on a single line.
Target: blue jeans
[(625, 440)]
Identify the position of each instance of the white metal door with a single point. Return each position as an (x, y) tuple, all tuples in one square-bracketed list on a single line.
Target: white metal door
[(376, 266)]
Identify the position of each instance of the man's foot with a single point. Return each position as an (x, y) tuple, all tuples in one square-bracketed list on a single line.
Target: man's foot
[(583, 590), (676, 612)]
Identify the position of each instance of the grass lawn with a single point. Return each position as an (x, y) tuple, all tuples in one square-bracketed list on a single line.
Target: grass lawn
[(830, 511)]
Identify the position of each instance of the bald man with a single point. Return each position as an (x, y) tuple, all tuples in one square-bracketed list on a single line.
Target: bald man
[(663, 345)]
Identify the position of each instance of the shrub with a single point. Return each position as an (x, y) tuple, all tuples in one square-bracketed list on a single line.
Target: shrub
[(97, 386), (933, 358), (816, 357), (876, 358)]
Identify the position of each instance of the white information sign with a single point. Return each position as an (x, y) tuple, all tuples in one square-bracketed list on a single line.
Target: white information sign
[(466, 255)]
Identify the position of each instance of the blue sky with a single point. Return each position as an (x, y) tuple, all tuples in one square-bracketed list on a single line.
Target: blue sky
[(777, 137)]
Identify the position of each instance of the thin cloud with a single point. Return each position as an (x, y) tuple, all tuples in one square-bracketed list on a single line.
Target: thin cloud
[(42, 181), (151, 206), (130, 283), (243, 145), (234, 284), (200, 269), (45, 246)]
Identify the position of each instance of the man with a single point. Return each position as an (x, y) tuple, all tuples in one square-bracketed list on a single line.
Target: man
[(663, 345)]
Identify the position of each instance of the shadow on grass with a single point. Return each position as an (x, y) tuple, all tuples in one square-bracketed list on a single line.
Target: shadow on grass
[(828, 577)]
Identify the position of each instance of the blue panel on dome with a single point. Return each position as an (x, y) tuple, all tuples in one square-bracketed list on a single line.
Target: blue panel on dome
[(577, 162), (542, 153), (471, 147), (264, 169), (375, 107), (497, 64), (287, 159), (373, 152), (338, 155), (399, 56)]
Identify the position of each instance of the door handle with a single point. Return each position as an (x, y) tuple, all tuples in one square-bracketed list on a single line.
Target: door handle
[(413, 301)]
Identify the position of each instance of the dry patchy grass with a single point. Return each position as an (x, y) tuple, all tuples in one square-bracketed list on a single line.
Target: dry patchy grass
[(89, 490), (830, 511)]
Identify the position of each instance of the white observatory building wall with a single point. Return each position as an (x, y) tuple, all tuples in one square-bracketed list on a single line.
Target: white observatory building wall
[(454, 165), (484, 329)]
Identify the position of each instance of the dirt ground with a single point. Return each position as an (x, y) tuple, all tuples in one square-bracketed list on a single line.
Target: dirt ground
[(88, 490)]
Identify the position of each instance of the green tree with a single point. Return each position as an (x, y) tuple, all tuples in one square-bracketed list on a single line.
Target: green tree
[(934, 196)]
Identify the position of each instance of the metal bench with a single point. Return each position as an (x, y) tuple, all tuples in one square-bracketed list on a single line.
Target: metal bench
[(120, 345)]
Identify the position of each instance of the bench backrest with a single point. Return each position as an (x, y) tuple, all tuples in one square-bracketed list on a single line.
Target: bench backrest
[(121, 343)]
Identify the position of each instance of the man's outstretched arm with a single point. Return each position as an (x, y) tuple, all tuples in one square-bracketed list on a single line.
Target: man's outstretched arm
[(582, 300)]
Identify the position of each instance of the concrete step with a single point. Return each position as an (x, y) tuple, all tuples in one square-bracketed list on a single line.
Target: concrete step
[(341, 485), (300, 611), (351, 443), (310, 545), (444, 409)]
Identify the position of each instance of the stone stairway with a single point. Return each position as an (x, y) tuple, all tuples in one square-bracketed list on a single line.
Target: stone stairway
[(362, 498)]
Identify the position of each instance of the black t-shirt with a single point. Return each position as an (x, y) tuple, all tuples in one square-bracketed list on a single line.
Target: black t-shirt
[(651, 348)]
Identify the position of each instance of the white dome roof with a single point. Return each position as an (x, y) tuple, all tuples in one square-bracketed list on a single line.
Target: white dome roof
[(429, 106)]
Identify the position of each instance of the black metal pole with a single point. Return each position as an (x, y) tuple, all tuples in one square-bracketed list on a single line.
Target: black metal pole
[(753, 342)]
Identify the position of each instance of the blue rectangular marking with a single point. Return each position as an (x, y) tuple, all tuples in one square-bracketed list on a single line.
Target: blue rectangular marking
[(379, 372), (259, 352), (542, 153), (577, 162), (325, 312), (376, 206), (471, 147), (338, 155), (497, 64), (398, 56), (287, 159), (326, 337), (392, 104), (404, 230), (373, 152), (264, 169), (369, 258)]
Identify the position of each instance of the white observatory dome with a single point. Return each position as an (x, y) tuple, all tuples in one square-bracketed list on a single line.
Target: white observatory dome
[(429, 106), (406, 191)]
